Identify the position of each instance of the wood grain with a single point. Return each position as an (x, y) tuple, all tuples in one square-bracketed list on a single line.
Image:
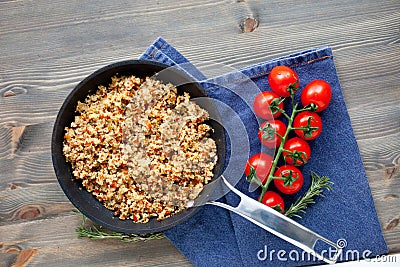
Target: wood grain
[(58, 246), (49, 46)]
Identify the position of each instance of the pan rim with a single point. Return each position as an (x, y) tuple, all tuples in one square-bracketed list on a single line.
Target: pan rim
[(59, 166)]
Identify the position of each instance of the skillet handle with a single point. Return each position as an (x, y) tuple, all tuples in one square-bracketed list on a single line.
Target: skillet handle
[(278, 224)]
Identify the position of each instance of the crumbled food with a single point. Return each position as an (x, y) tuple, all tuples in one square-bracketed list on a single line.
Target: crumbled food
[(141, 149)]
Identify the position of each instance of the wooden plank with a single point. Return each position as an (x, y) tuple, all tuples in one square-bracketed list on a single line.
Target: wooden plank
[(58, 246), (386, 193), (270, 36), (32, 202)]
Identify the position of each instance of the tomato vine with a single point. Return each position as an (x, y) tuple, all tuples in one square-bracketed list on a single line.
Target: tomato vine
[(306, 124)]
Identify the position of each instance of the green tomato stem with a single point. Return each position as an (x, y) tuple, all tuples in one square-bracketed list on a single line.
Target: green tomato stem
[(289, 128), (278, 178), (306, 128), (307, 108), (280, 136), (284, 113)]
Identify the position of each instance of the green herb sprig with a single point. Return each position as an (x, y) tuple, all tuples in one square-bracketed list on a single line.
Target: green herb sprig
[(318, 184), (94, 232)]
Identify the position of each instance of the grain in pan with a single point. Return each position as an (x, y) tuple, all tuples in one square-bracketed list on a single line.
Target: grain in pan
[(140, 148)]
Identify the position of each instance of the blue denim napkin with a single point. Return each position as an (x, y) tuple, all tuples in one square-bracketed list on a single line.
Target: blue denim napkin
[(216, 237)]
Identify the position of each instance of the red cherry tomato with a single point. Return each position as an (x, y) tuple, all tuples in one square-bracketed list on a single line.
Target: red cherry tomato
[(300, 151), (317, 92), (262, 163), (263, 106), (293, 179), (268, 133), (273, 200), (312, 123), (282, 80)]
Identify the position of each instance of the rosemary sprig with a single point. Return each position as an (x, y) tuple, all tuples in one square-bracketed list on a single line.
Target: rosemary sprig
[(318, 183), (93, 232)]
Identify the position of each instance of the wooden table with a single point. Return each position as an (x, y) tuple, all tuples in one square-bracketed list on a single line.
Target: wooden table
[(47, 47)]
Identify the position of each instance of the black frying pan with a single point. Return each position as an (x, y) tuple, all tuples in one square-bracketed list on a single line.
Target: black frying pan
[(84, 201)]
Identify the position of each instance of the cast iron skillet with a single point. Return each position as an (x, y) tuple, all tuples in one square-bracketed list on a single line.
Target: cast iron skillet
[(84, 201)]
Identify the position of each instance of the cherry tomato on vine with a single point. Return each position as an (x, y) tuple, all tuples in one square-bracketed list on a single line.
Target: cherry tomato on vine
[(267, 133), (282, 80), (311, 122), (293, 179), (265, 105), (273, 200), (317, 92), (261, 163), (299, 153)]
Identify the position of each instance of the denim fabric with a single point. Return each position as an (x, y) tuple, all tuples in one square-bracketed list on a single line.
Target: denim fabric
[(163, 52), (213, 237)]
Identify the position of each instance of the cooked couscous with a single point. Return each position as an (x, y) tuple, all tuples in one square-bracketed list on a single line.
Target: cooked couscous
[(140, 148)]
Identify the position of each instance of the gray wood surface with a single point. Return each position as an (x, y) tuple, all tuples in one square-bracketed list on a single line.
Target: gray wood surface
[(47, 47)]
